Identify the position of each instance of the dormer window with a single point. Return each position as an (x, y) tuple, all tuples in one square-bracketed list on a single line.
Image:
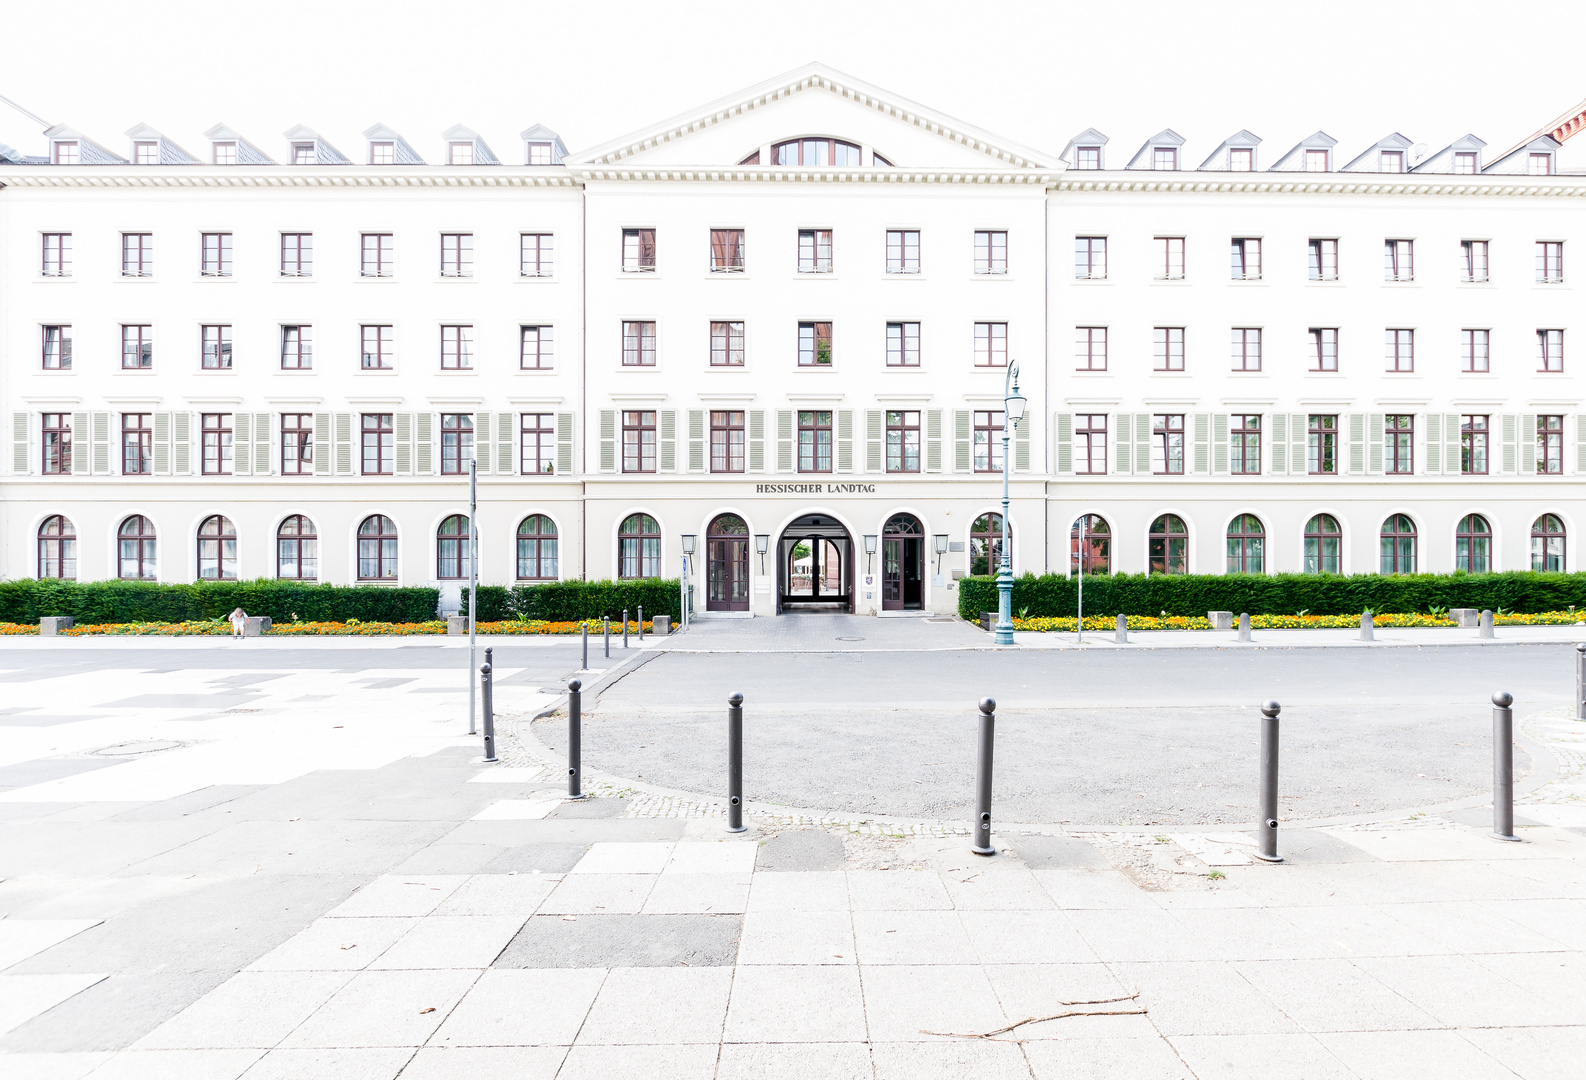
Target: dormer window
[(225, 153), (66, 153), (1538, 165), (1316, 161), (303, 153), (879, 160), (1241, 159), (1164, 158), (752, 159), (1465, 164), (146, 153), (540, 153), (382, 153), (1088, 157), (1391, 161), (460, 153), (816, 152)]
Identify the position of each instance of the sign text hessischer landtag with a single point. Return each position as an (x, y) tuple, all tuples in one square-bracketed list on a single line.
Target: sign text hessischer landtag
[(815, 489)]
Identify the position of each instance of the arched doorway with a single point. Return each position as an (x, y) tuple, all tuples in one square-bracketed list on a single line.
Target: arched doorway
[(815, 565), (727, 564), (902, 564)]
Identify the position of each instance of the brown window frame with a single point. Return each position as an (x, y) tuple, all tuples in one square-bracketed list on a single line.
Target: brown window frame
[(297, 347), (991, 251), (217, 549), (303, 544), (1550, 444), (1245, 258), (1549, 262), (1090, 439), (536, 255), (1167, 444), (728, 441), (1473, 544), (297, 254), (1093, 557), (1087, 158), (1241, 159), (1246, 545), (457, 347), (1550, 350), (297, 444), (214, 258), (1398, 444), (638, 343), (457, 255), (726, 251), (536, 347), (1167, 548), (1245, 342), (991, 345), (1324, 546), (536, 443), (1322, 258), (215, 353), (457, 443), (815, 452), (453, 550), (903, 251), (56, 352), (638, 251), (1398, 260), (1171, 267), (1474, 261), (377, 433), (1475, 444), (1475, 350), (638, 548), (1090, 258), (815, 251), (986, 431), (726, 344), (1400, 345), (639, 441), (377, 255), (1324, 348), (137, 342), (826, 158), (379, 548), (56, 258), (66, 152), (1167, 346), (216, 440), (1549, 547), (902, 433), (137, 254), (137, 444), (1321, 444), (815, 344), (1244, 444), (57, 549), (1164, 159), (1466, 163), (985, 544), (55, 444), (538, 554), (1544, 160), (384, 340), (143, 541), (903, 344), (1090, 343), (223, 153)]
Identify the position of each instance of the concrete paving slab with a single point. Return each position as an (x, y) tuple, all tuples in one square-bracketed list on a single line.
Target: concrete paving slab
[(897, 890), (253, 1009), (1471, 928), (681, 893), (977, 1060), (1534, 1053), (384, 1008), (1332, 995), (22, 938), (1260, 1057), (111, 1014), (607, 941), (64, 1066), (1094, 889), (912, 937), (1140, 935), (802, 849), (904, 1004), (513, 1008), (1207, 997), (541, 858), (374, 1063), (1361, 930), (451, 941), (813, 937), (775, 1061), (1046, 852), (1464, 994), (799, 890), (485, 1063), (499, 894), (517, 810), (624, 1011), (711, 857), (621, 858), (22, 997), (589, 809), (340, 944), (796, 1004), (1412, 1055), (449, 859), (1105, 1059), (1250, 934), (1024, 937), (652, 1062), (177, 1065), (1029, 990), (397, 896), (599, 894)]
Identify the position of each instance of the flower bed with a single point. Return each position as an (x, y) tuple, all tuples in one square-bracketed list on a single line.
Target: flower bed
[(12, 629), (1289, 622), (350, 628)]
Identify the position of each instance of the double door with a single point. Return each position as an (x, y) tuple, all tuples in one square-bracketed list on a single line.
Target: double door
[(727, 573), (902, 572)]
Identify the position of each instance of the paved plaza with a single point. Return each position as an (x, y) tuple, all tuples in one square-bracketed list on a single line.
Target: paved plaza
[(284, 859)]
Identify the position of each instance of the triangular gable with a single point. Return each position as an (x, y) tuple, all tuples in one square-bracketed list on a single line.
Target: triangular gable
[(170, 153), (1443, 160), (1518, 160), (814, 80), (1371, 159), (483, 155), (539, 133), (1294, 160), (1144, 159), (403, 153), (324, 152), (1088, 137), (88, 151), (1217, 160), (247, 153)]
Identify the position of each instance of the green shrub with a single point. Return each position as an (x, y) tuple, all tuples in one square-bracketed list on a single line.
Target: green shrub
[(93, 602), (567, 601), (1277, 594)]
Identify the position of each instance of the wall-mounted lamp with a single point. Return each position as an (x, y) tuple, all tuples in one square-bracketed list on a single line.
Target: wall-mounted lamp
[(762, 543), (870, 549), (941, 549), (688, 543)]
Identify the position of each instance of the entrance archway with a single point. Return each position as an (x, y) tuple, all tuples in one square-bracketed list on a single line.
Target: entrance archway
[(902, 564), (815, 565), (727, 564)]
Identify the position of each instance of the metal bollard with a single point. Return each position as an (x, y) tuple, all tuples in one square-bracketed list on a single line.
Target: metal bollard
[(1503, 766), (988, 733), (1244, 626), (1368, 628), (1580, 681), (624, 628), (1486, 625), (735, 764), (487, 678), (605, 630), (641, 624), (575, 739), (1267, 830), (1121, 635), (585, 628)]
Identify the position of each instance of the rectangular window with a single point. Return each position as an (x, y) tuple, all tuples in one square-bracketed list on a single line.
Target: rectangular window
[(1164, 157), (57, 348), (815, 251), (1550, 445), (1090, 443), (726, 344), (379, 444), (540, 153), (1473, 445), (988, 441), (224, 153), (1170, 258), (137, 444), (638, 344), (297, 254), (216, 431), (457, 442), (57, 255), (137, 254), (297, 444), (1324, 260), (638, 442), (1401, 349), (1090, 348), (537, 443), (1241, 159), (1316, 161), (1321, 446), (991, 252), (535, 255), (457, 255), (303, 154), (815, 441), (1090, 257), (1550, 350), (66, 152), (1540, 165), (1088, 157), (638, 251), (1399, 437), (460, 153), (815, 344), (903, 251), (726, 251), (217, 348), (137, 348), (1391, 161), (903, 344), (1465, 164), (1324, 348), (1549, 261), (1472, 260), (57, 459), (536, 350), (1246, 349), (1398, 260), (1167, 444), (726, 441), (382, 153), (297, 348), (903, 441), (379, 347), (1169, 348), (1246, 256), (379, 255), (991, 344), (1473, 350), (457, 348), (1244, 444), (215, 260)]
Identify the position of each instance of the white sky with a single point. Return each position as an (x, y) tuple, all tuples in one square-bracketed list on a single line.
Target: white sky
[(1037, 73)]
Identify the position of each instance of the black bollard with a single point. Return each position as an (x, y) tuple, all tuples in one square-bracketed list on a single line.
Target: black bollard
[(487, 679), (1267, 829), (585, 628), (605, 630), (624, 628), (735, 764), (1580, 681), (641, 624), (982, 824), (575, 739), (1502, 766)]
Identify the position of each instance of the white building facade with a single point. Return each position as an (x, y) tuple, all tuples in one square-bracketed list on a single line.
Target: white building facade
[(777, 331)]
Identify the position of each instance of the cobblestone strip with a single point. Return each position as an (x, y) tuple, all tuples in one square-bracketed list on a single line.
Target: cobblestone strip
[(1565, 738)]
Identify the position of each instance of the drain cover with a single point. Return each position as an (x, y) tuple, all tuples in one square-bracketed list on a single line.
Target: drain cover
[(850, 639), (146, 746)]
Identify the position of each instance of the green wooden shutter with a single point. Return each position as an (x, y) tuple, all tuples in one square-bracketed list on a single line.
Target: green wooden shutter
[(963, 441), (784, 440), (564, 443), (608, 440), (845, 440), (668, 440), (424, 443), (873, 433), (1065, 443), (696, 440), (933, 440), (1203, 443)]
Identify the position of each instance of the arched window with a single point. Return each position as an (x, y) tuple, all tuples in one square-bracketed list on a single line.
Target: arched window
[(985, 544), (297, 550), (1247, 545), (639, 547), (1547, 544), (1473, 545), (1169, 546), (1324, 540), (377, 549), (135, 549), (815, 151), (57, 549), (217, 549), (1095, 552), (537, 549), (1398, 545), (452, 549)]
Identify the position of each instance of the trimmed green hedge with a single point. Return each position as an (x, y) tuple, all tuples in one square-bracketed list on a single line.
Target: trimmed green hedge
[(91, 602), (566, 601), (1277, 594)]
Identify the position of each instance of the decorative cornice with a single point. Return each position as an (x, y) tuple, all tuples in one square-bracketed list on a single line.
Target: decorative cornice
[(758, 174), (1314, 184), (300, 176)]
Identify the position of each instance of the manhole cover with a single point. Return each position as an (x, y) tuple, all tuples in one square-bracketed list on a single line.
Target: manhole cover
[(128, 749), (850, 639)]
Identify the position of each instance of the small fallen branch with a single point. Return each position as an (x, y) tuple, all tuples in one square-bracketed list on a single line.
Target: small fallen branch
[(1055, 1016)]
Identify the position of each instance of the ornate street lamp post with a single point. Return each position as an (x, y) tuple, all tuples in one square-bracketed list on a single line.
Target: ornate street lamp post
[(1013, 404)]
